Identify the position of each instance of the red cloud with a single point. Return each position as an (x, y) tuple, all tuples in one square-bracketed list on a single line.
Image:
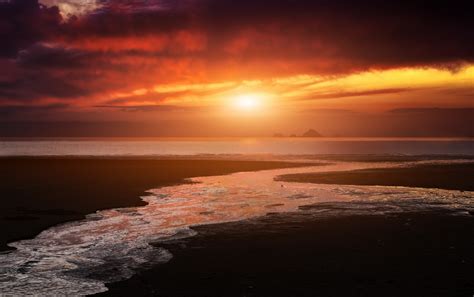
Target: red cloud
[(118, 48)]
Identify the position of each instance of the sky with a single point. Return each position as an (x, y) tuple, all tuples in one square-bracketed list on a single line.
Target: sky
[(236, 68)]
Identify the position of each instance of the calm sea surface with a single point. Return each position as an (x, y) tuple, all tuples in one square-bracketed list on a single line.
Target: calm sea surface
[(198, 146)]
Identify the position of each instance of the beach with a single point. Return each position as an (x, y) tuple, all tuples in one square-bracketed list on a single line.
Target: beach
[(417, 253), (236, 227), (40, 192), (247, 148), (443, 176)]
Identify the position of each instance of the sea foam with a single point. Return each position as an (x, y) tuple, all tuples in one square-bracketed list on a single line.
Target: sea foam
[(79, 258)]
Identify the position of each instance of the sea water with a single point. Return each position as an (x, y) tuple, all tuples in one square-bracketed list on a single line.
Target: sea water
[(79, 258), (226, 146)]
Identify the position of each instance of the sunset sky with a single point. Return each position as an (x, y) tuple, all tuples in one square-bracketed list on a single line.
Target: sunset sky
[(236, 68)]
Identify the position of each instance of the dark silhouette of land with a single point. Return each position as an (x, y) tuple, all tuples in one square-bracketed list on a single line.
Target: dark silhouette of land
[(311, 133), (308, 133)]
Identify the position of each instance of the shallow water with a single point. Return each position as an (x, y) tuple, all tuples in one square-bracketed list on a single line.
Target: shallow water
[(80, 257)]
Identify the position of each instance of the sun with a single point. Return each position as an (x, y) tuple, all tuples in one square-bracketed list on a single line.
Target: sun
[(248, 102)]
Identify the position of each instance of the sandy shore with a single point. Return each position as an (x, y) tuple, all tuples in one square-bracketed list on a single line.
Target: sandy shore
[(419, 254), (442, 176), (41, 192), (281, 238)]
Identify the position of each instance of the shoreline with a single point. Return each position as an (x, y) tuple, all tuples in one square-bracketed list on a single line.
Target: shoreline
[(43, 192), (459, 176), (253, 201), (270, 256), (292, 254)]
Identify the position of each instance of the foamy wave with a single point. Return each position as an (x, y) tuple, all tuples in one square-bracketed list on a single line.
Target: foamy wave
[(79, 258)]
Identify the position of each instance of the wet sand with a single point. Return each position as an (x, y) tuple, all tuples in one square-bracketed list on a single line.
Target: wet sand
[(390, 248), (424, 253), (385, 157), (442, 176), (419, 254), (41, 192)]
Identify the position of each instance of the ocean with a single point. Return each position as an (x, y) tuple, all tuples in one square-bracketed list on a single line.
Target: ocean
[(238, 146)]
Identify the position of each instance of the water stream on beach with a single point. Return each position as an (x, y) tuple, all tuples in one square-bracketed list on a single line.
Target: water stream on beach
[(80, 257)]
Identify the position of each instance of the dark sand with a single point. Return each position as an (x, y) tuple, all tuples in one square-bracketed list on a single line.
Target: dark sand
[(296, 254), (451, 177), (37, 193), (425, 254), (293, 254), (380, 158), (389, 158)]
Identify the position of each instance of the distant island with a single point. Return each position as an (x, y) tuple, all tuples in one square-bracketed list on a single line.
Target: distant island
[(309, 133)]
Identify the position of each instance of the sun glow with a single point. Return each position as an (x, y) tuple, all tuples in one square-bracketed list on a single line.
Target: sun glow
[(248, 101)]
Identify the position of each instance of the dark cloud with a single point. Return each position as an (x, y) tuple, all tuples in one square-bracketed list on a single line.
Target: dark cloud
[(328, 111), (467, 92), (34, 85), (127, 45), (77, 129), (154, 108), (149, 98), (453, 111), (46, 56), (15, 110), (332, 36), (23, 22), (157, 97), (128, 21), (434, 122), (349, 35), (100, 128), (336, 95), (402, 123), (405, 122)]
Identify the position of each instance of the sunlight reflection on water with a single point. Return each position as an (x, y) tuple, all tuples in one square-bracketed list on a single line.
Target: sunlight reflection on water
[(209, 146), (80, 257)]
